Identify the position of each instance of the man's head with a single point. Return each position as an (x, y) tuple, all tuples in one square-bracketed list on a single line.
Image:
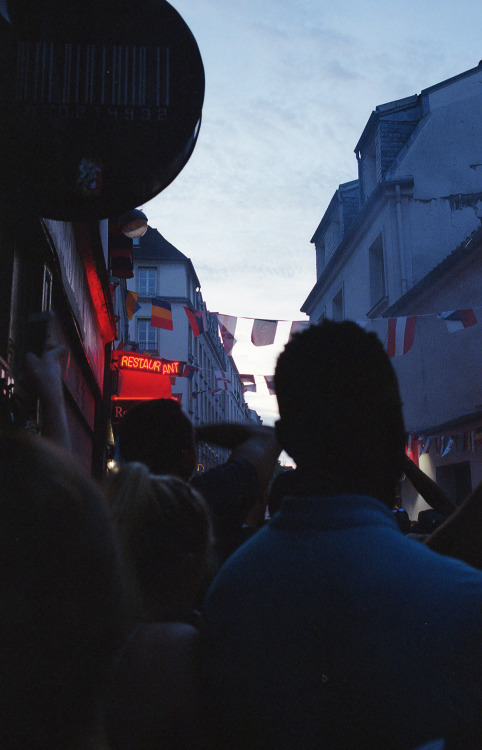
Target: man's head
[(158, 434), (340, 409)]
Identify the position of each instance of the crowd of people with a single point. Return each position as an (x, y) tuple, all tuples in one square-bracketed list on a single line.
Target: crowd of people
[(164, 611)]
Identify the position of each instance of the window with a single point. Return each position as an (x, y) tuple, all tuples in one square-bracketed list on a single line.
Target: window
[(369, 169), (147, 336), (147, 281), (377, 272), (338, 306)]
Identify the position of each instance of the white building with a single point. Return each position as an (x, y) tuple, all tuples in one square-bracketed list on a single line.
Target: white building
[(405, 239), (162, 271)]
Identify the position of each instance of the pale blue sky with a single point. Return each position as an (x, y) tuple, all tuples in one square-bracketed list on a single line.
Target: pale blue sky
[(290, 85)]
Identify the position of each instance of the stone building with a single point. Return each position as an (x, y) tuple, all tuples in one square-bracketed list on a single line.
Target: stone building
[(404, 239)]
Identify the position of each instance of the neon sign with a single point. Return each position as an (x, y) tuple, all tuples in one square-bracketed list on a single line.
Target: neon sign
[(148, 364)]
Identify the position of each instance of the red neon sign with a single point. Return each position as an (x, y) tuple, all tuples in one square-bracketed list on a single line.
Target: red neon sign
[(148, 364)]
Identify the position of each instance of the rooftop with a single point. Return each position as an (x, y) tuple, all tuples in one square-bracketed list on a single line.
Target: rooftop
[(153, 246)]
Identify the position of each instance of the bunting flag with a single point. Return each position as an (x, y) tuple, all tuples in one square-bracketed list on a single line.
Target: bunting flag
[(131, 303), (264, 332), (227, 328), (161, 314), (401, 332), (448, 444), (269, 379), (188, 371), (223, 381), (457, 320), (412, 449), (425, 448), (297, 326), (469, 443), (248, 383), (197, 321)]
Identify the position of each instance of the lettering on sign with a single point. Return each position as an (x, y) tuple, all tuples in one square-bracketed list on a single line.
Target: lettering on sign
[(132, 362), (84, 75)]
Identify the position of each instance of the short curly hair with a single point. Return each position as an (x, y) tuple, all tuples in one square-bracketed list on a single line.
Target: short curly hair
[(158, 433), (339, 404)]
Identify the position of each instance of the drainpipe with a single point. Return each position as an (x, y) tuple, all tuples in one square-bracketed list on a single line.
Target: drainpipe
[(401, 247), (341, 217)]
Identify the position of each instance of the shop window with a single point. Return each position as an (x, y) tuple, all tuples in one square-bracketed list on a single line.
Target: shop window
[(147, 281), (146, 336)]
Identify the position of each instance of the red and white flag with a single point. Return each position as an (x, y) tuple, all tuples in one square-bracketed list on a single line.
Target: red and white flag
[(264, 332), (223, 380), (227, 328), (248, 383), (457, 320), (401, 332), (269, 380), (297, 326)]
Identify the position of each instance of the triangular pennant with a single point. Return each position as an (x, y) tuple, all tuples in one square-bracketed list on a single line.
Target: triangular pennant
[(197, 321), (227, 328)]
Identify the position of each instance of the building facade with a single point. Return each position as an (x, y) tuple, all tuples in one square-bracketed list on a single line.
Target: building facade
[(62, 268), (211, 391), (404, 240)]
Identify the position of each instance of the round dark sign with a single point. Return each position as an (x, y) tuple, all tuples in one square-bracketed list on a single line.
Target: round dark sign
[(100, 103)]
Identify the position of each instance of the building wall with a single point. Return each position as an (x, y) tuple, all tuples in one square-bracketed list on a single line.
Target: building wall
[(176, 284), (428, 203)]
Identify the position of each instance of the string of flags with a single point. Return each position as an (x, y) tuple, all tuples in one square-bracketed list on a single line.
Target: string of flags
[(400, 332), (442, 445)]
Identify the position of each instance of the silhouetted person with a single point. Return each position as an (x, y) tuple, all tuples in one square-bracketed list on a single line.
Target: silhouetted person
[(62, 605), (159, 434), (164, 530), (330, 628)]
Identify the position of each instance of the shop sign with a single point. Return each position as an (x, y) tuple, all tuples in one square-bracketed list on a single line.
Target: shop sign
[(100, 103)]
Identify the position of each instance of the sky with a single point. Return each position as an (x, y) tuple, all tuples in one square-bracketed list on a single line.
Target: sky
[(290, 85)]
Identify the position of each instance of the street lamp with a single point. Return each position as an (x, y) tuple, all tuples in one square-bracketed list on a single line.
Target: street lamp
[(133, 223)]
